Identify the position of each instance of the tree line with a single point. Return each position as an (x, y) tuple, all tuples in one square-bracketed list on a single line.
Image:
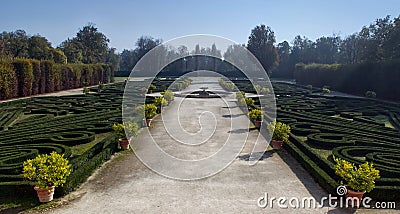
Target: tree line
[(89, 46), (375, 43)]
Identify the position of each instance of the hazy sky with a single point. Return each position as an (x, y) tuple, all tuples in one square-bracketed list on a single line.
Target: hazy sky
[(126, 20)]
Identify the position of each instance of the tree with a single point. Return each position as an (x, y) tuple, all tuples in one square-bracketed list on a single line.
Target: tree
[(326, 49), (39, 48), (391, 45), (58, 56), (94, 44), (348, 51), (261, 44), (15, 44), (73, 50), (113, 58), (284, 69), (127, 60), (235, 53), (89, 46), (144, 44)]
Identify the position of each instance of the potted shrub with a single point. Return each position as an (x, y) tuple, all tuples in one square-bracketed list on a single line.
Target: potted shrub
[(258, 88), (326, 90), (265, 90), (86, 91), (150, 110), (124, 129), (152, 87), (249, 102), (256, 115), (168, 95), (47, 171), (360, 179), (160, 102), (100, 88), (279, 132)]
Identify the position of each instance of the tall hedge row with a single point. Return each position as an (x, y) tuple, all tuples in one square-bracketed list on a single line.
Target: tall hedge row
[(36, 76), (8, 80), (381, 78), (25, 77)]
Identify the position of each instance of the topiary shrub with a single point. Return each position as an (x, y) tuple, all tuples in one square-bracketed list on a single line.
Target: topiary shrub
[(168, 95), (47, 170), (359, 178), (279, 131), (256, 115)]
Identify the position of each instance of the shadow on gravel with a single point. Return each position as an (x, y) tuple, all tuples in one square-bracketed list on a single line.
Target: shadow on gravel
[(238, 131), (247, 157), (232, 115)]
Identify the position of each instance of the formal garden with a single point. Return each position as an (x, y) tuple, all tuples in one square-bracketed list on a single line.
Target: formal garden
[(83, 128), (325, 127)]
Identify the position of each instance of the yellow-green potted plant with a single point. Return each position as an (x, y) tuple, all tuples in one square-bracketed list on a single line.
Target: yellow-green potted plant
[(47, 171), (280, 133), (168, 95), (150, 110), (160, 102), (359, 179), (100, 87), (256, 115), (152, 87), (125, 129)]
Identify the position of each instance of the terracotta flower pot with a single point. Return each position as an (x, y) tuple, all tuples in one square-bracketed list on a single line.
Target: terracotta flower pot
[(277, 144), (124, 143), (257, 123), (45, 195), (354, 194), (148, 122)]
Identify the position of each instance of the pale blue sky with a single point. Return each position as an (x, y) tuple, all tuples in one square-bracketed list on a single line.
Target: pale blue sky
[(124, 21)]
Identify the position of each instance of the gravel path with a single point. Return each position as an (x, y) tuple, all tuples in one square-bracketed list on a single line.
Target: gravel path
[(126, 185)]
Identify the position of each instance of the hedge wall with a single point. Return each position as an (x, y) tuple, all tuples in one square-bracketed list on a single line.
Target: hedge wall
[(381, 78), (25, 77), (8, 80)]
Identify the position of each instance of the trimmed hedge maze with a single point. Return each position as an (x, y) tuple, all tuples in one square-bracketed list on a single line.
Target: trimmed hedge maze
[(355, 129), (33, 126)]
